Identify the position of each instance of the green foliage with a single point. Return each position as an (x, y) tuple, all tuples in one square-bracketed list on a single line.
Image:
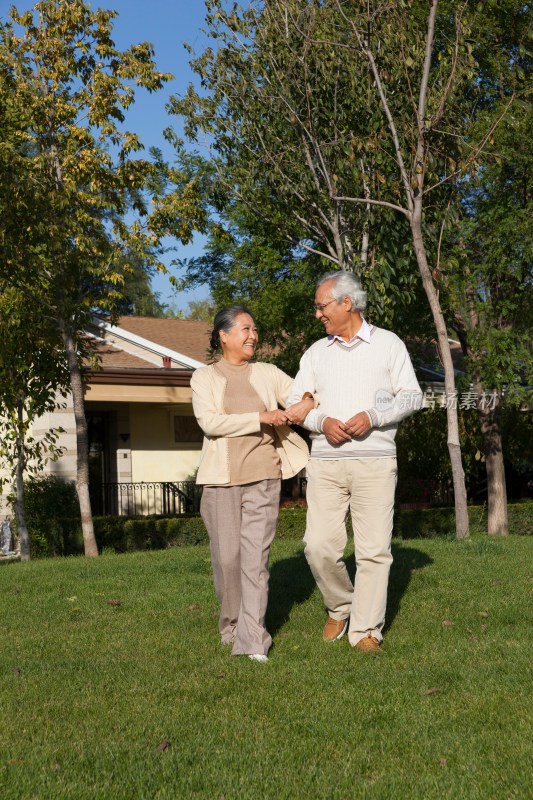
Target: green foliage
[(138, 297), (423, 461), (123, 534), (52, 516), (33, 376), (57, 533), (76, 198), (283, 116), (489, 272), (422, 523), (71, 174)]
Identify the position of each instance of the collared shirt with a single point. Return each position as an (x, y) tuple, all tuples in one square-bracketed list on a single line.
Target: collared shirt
[(363, 333)]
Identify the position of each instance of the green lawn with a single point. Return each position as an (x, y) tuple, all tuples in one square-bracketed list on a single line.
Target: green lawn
[(139, 699)]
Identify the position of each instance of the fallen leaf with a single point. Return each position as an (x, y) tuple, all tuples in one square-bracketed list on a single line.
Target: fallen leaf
[(114, 602), (55, 767), (17, 671), (434, 690), (163, 746), (447, 623), (443, 762), (483, 627), (483, 613), (72, 599), (221, 675), (193, 607)]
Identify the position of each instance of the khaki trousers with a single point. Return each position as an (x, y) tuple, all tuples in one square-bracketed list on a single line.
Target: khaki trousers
[(366, 486), (241, 522)]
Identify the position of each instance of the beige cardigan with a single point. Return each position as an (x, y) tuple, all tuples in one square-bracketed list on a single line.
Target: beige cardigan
[(273, 386)]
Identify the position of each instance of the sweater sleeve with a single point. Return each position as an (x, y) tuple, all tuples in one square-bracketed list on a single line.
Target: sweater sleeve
[(210, 419), (406, 395), (305, 382), (283, 387)]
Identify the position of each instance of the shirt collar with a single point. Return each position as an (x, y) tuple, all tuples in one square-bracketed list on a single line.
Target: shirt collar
[(363, 333)]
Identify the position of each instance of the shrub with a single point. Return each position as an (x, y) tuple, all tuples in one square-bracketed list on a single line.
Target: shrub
[(62, 536), (52, 516)]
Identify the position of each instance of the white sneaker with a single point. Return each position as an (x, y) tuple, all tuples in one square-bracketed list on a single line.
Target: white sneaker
[(258, 657)]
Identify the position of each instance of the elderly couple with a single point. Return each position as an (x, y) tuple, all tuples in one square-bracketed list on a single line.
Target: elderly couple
[(353, 388)]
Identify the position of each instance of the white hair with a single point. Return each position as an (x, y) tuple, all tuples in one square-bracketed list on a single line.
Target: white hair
[(346, 284)]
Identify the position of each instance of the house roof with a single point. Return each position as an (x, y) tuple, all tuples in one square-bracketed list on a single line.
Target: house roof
[(110, 357), (151, 343), (187, 336)]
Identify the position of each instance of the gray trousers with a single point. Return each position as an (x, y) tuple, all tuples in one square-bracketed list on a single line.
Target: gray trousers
[(241, 523)]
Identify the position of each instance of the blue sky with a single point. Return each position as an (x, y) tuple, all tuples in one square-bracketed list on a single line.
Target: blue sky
[(166, 24)]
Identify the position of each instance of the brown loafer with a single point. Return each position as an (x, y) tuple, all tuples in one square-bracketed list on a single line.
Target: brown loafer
[(368, 645), (334, 629)]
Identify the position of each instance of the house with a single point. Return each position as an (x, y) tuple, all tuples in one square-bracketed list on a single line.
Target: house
[(144, 441)]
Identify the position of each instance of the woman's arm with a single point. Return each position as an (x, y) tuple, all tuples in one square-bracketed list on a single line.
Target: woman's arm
[(299, 411), (210, 419)]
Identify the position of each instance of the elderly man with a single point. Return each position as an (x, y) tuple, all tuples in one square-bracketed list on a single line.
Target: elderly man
[(366, 384)]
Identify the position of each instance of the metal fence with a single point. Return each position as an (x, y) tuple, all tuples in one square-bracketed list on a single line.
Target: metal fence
[(145, 497), (180, 497)]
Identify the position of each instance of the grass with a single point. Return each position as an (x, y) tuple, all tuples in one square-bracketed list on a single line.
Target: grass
[(139, 700)]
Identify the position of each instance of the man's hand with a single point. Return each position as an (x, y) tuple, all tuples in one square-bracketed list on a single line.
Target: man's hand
[(358, 425), (335, 431), (298, 411)]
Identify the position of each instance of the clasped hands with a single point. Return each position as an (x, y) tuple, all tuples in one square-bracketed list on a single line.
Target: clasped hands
[(337, 432), (294, 414)]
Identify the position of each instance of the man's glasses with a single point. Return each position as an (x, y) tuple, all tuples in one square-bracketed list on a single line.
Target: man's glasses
[(321, 306)]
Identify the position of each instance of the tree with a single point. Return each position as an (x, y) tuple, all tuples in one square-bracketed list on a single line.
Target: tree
[(489, 276), (69, 87), (32, 377), (281, 103), (201, 309), (138, 297)]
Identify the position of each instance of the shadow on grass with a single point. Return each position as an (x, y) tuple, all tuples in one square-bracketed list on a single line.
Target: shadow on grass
[(405, 561), (291, 583)]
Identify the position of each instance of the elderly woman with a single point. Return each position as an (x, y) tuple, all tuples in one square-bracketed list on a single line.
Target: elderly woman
[(247, 449)]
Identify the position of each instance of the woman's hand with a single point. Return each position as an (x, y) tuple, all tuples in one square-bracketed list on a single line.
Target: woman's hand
[(298, 411), (276, 418)]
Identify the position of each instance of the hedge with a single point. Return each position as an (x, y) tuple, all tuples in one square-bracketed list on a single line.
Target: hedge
[(143, 533), (127, 534)]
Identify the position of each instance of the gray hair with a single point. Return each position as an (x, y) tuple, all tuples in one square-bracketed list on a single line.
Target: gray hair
[(346, 284), (225, 321)]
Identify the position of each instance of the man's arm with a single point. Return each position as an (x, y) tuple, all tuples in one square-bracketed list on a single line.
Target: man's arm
[(304, 383), (390, 407)]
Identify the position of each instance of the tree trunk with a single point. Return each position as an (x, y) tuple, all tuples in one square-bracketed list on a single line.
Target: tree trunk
[(489, 418), (20, 513), (454, 445), (82, 441)]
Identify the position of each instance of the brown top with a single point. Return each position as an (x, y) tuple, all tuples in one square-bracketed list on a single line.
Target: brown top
[(252, 457)]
